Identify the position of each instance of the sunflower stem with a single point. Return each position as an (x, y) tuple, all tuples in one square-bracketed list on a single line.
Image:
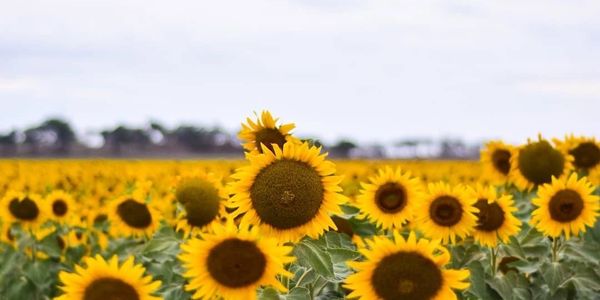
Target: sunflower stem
[(555, 248), (493, 260)]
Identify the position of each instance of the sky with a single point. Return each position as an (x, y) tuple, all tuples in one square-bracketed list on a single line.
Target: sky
[(370, 70)]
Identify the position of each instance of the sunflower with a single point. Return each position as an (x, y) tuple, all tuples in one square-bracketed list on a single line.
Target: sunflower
[(203, 199), (130, 216), (389, 198), (565, 205), (495, 158), (232, 263), (289, 192), (103, 280), (446, 212), (264, 131), (495, 219), (536, 163), (404, 269), (585, 151), (28, 210), (61, 206)]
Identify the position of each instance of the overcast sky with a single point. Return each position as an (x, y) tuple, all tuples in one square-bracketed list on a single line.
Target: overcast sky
[(370, 70)]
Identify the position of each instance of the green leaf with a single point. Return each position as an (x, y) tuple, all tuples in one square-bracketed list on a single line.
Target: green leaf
[(298, 293), (268, 293), (555, 275), (309, 254), (341, 255), (478, 287)]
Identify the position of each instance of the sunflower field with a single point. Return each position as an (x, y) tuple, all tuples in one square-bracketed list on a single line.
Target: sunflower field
[(288, 223)]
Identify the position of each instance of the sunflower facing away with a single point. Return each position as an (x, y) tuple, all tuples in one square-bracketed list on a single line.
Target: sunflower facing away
[(104, 280), (404, 269), (289, 192), (130, 216), (389, 197), (495, 158), (446, 213), (495, 219), (565, 205), (28, 210), (203, 198), (535, 163), (585, 151), (264, 131), (232, 263)]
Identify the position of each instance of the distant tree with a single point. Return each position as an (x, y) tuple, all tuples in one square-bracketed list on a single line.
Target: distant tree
[(61, 129), (123, 136), (8, 143), (343, 148)]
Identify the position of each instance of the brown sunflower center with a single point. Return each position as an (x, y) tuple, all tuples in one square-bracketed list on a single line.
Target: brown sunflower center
[(61, 242), (390, 197), (236, 263), (445, 211), (134, 214), (565, 206), (100, 218), (490, 216), (406, 275), (539, 161), (268, 137), (201, 201), (105, 288), (343, 225), (59, 207), (25, 210), (287, 194), (501, 161), (587, 155)]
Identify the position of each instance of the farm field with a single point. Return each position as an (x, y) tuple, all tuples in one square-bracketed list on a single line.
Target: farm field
[(289, 223)]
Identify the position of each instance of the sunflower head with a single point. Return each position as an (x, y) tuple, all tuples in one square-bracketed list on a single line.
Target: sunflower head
[(102, 280), (537, 162), (404, 269), (61, 205), (290, 192), (495, 219), (565, 206), (389, 197), (231, 263), (496, 160), (129, 215), (26, 209), (265, 132), (203, 198), (585, 151), (446, 212)]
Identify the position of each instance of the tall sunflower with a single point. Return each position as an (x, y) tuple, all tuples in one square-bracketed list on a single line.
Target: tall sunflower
[(289, 192), (130, 216), (495, 219), (446, 212), (389, 197), (565, 206), (103, 280), (232, 263), (203, 199), (495, 158), (264, 131), (61, 205), (536, 163), (28, 210), (404, 269), (585, 151)]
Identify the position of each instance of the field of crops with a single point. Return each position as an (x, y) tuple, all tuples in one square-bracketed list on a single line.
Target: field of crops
[(289, 223)]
